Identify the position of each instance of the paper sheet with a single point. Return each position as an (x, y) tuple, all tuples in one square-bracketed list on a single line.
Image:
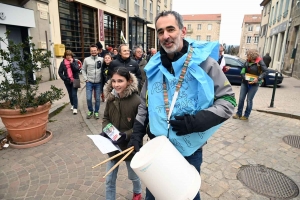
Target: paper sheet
[(104, 144)]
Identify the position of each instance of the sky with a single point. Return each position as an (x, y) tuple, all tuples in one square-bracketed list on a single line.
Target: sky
[(232, 12)]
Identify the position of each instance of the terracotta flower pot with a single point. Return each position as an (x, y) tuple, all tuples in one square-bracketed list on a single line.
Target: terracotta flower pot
[(26, 128)]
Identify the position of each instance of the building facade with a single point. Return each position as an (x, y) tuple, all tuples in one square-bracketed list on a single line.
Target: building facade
[(279, 22), (291, 65), (250, 34), (265, 15), (76, 24), (203, 26)]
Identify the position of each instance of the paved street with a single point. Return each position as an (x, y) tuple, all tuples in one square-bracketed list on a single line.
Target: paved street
[(62, 168)]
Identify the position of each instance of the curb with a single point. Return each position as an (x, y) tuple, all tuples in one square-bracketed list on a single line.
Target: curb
[(83, 114), (289, 115)]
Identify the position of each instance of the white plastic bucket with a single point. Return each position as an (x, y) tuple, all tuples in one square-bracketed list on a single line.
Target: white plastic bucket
[(165, 172)]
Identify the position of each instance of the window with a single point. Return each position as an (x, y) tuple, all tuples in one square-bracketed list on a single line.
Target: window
[(198, 37), (280, 11), (151, 11), (257, 28), (166, 2), (145, 9), (275, 14), (209, 27), (113, 25), (265, 10), (250, 28), (122, 4), (189, 27), (158, 10), (136, 7), (79, 27), (150, 38), (231, 62), (208, 37), (199, 27), (256, 39), (248, 39)]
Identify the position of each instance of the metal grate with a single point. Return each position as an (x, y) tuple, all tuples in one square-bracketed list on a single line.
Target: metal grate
[(293, 140), (268, 182)]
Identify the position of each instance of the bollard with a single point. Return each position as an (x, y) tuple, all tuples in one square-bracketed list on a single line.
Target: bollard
[(274, 90)]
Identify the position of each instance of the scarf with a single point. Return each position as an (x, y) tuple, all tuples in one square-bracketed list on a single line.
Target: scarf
[(69, 69)]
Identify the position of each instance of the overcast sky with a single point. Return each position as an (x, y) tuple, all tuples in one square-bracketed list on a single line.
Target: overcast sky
[(232, 11)]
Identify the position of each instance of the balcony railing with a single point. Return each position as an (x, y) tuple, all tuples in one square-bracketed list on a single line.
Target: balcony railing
[(189, 30), (279, 18), (145, 13), (137, 10), (151, 17), (285, 13)]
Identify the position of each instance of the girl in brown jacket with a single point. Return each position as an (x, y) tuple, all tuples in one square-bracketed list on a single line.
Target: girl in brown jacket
[(121, 108)]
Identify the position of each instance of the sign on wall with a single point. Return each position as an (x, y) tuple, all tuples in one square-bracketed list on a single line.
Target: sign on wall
[(101, 24)]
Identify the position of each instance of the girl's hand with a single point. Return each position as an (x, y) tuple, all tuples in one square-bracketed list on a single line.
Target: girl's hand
[(254, 81)]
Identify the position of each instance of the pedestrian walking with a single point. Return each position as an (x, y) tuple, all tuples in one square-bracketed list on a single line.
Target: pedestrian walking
[(254, 67), (121, 109), (68, 71), (267, 59), (205, 98), (91, 72)]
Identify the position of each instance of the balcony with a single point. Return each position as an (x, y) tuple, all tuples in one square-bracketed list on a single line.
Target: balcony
[(189, 30)]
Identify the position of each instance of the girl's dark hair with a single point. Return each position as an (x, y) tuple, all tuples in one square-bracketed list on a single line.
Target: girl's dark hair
[(122, 71), (108, 54)]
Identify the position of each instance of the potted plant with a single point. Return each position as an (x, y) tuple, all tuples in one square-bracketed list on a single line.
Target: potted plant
[(23, 110)]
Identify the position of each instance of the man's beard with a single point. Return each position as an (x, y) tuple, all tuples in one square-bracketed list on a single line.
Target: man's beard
[(175, 46)]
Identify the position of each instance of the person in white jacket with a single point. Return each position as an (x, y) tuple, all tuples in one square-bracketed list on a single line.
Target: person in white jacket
[(91, 71)]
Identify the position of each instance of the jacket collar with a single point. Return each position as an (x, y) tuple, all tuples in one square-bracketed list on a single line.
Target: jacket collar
[(110, 95)]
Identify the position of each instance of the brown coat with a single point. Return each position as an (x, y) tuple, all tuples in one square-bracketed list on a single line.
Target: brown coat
[(121, 112)]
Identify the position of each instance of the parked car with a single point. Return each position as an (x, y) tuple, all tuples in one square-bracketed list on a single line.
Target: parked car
[(234, 73)]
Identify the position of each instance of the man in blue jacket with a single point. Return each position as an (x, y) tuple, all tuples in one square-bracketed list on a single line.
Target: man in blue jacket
[(205, 98)]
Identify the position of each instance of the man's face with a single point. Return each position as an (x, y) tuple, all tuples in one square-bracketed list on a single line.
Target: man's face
[(169, 34), (153, 51), (138, 53), (221, 51), (93, 51)]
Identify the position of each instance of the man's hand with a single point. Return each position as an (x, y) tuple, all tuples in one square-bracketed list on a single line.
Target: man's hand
[(182, 125), (136, 144), (121, 139)]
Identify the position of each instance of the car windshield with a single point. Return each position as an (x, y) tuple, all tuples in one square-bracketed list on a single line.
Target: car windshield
[(242, 60)]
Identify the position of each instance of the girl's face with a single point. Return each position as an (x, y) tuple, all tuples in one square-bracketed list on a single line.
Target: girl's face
[(107, 59), (119, 83)]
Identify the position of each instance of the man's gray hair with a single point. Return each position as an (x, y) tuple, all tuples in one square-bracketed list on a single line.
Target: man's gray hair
[(135, 48), (177, 16)]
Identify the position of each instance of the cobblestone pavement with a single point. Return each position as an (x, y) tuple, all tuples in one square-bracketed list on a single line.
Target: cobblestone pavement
[(62, 168)]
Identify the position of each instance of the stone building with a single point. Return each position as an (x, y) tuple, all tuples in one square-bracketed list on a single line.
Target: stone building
[(279, 20), (203, 26), (249, 34), (291, 65), (76, 24), (264, 26)]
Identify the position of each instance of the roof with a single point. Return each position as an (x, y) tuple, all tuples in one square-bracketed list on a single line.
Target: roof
[(252, 18), (202, 17), (264, 2)]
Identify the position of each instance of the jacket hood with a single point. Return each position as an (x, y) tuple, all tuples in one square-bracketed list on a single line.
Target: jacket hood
[(132, 88)]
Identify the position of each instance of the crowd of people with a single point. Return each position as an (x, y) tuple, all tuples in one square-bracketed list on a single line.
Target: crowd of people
[(134, 83)]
